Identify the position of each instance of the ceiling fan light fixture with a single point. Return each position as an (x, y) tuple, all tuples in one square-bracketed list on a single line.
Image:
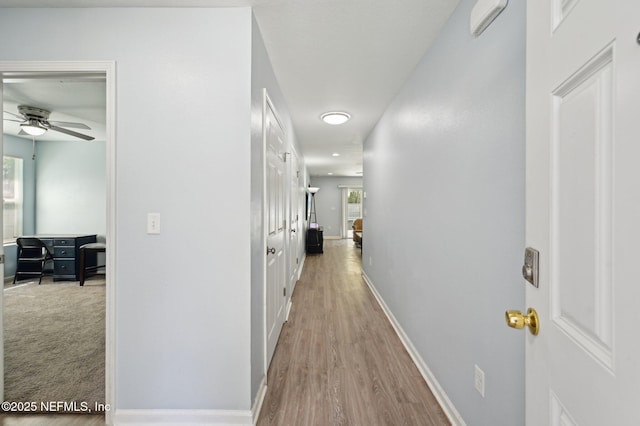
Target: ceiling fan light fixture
[(335, 117), (33, 128)]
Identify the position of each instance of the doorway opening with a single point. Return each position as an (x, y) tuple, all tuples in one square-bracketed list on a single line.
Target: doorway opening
[(52, 88), (351, 209)]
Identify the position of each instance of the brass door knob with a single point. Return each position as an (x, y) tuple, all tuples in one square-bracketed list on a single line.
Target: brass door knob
[(516, 319)]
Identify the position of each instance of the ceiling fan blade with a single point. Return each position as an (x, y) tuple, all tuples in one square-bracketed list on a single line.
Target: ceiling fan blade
[(71, 133), (68, 124), (11, 119), (15, 115)]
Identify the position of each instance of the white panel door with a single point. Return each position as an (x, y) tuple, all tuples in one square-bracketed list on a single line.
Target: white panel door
[(276, 226), (583, 211)]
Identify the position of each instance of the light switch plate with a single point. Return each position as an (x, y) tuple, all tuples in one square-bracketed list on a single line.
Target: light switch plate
[(153, 223)]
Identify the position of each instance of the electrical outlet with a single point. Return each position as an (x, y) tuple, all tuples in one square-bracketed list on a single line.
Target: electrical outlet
[(479, 380)]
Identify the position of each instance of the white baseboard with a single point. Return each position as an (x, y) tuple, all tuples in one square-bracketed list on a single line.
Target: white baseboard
[(450, 410), (257, 404), (183, 417)]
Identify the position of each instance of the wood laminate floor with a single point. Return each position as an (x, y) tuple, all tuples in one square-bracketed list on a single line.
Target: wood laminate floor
[(51, 420), (338, 360)]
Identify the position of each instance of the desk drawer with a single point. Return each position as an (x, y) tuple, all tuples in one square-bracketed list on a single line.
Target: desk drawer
[(69, 242), (64, 252), (64, 267)]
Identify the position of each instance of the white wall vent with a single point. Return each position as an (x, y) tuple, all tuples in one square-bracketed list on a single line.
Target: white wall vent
[(483, 13)]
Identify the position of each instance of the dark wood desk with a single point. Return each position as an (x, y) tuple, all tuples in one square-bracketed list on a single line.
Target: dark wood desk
[(65, 249)]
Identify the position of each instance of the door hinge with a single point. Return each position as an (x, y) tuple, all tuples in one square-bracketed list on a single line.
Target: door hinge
[(1, 259), (296, 260), (284, 291)]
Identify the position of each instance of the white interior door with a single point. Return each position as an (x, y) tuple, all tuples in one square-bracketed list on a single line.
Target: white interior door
[(276, 226), (583, 211)]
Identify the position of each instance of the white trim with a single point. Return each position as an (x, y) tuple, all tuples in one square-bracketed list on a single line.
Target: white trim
[(344, 203), (183, 417), (2, 253), (88, 68), (288, 310), (304, 257), (450, 410), (257, 404), (265, 235)]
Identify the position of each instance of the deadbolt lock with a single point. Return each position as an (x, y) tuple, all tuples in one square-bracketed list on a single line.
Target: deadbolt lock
[(531, 266)]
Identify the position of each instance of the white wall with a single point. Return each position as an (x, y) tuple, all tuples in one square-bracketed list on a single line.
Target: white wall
[(183, 150), (452, 142), (71, 187)]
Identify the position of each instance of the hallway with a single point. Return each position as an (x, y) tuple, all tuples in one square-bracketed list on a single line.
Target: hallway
[(338, 360)]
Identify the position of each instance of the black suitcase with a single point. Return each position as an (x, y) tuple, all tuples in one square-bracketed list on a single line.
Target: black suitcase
[(314, 240)]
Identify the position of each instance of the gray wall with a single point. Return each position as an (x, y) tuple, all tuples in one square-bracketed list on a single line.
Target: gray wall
[(182, 333), (71, 188), (329, 201), (452, 143)]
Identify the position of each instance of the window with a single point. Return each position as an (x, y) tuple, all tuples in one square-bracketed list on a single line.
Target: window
[(12, 198)]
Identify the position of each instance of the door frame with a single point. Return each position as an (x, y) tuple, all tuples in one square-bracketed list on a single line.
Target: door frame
[(344, 229), (294, 193), (108, 68)]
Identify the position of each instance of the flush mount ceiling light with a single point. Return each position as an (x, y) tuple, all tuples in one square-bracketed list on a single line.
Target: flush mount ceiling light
[(335, 117)]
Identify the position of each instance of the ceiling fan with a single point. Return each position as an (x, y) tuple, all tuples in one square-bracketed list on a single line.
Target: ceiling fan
[(35, 122)]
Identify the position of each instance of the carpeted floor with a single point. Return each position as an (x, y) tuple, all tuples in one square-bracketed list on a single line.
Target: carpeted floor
[(54, 340)]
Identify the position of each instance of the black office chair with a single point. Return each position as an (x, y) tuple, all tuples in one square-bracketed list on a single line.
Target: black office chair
[(33, 255)]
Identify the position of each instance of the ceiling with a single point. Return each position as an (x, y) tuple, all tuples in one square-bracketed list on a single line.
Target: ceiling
[(328, 55)]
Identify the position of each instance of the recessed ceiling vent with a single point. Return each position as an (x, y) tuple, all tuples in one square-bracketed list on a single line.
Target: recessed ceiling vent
[(483, 14)]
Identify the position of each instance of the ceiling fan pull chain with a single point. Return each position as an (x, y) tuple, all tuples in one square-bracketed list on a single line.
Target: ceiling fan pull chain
[(33, 138)]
